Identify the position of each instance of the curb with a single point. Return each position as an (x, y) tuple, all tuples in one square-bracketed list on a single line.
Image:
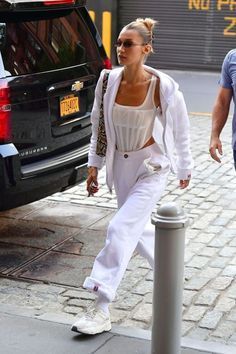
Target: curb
[(186, 342)]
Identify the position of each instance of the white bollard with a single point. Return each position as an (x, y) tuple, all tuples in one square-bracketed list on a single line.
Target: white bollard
[(170, 223)]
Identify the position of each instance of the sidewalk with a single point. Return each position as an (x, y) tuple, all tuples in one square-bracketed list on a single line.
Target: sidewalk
[(48, 247), (210, 256), (22, 335)]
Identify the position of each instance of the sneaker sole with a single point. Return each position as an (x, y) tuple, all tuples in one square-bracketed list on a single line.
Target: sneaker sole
[(106, 328)]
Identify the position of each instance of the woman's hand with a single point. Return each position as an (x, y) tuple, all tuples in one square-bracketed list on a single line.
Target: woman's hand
[(183, 183), (92, 182)]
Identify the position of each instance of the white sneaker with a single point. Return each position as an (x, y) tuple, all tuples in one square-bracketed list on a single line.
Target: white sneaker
[(94, 321)]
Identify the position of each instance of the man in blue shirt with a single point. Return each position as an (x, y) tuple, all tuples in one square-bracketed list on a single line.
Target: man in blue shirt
[(220, 112)]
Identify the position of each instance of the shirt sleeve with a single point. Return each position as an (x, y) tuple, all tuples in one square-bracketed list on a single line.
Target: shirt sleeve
[(93, 158), (225, 79)]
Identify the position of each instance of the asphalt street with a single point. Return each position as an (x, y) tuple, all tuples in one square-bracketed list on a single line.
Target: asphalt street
[(199, 89)]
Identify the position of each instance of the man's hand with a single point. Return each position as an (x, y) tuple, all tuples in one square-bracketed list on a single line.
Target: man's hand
[(215, 145), (219, 118)]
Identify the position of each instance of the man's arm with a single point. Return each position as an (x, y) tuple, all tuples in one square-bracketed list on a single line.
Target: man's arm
[(219, 118)]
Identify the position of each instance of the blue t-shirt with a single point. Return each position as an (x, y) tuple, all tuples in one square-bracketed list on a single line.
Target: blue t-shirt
[(228, 80)]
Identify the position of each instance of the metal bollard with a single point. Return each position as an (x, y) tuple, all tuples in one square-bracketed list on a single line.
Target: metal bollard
[(170, 223)]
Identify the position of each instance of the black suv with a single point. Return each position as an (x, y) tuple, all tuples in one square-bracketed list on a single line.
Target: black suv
[(51, 56)]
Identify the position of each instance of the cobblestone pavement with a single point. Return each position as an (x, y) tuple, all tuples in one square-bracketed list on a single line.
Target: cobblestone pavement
[(209, 309)]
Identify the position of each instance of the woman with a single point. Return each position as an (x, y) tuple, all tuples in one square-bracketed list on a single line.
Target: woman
[(146, 121)]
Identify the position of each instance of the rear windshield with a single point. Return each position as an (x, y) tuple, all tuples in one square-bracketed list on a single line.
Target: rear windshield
[(32, 42)]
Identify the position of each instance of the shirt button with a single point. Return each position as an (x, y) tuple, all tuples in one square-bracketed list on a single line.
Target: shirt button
[(126, 155)]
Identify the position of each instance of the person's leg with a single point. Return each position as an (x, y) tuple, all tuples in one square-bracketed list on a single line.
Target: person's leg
[(146, 244), (123, 235), (138, 190)]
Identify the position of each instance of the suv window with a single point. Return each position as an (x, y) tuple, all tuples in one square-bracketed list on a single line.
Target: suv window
[(34, 44)]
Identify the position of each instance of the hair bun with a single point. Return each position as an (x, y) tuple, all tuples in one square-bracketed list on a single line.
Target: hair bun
[(148, 22)]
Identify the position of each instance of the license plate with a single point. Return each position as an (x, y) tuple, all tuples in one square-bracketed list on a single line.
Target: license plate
[(69, 105)]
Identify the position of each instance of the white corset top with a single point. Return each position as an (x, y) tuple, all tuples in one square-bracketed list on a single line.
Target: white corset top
[(134, 124)]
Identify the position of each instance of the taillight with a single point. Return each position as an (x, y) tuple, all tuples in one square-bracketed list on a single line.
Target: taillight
[(107, 63), (58, 2), (5, 118)]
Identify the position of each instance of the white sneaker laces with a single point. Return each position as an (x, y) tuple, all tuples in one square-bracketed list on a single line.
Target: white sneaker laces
[(91, 313)]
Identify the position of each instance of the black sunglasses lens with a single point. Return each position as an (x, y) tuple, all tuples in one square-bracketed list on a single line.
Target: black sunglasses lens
[(126, 44)]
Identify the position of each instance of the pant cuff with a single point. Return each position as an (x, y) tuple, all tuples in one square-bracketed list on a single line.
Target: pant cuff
[(99, 288)]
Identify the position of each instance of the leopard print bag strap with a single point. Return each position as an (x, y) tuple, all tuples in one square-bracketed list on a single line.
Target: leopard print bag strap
[(101, 147)]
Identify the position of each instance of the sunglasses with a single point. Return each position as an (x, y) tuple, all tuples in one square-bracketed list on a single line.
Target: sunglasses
[(127, 44)]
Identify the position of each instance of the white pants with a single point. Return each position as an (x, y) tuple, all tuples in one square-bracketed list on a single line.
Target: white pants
[(139, 181)]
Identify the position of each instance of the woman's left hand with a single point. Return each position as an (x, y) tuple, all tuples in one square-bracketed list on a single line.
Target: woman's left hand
[(183, 183)]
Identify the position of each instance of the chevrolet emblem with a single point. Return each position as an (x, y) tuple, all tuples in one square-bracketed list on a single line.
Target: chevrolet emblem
[(77, 86)]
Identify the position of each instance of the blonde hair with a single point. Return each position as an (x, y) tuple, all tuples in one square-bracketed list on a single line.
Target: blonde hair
[(145, 27)]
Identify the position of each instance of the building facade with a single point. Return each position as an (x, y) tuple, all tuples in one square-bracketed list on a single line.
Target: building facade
[(191, 34)]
